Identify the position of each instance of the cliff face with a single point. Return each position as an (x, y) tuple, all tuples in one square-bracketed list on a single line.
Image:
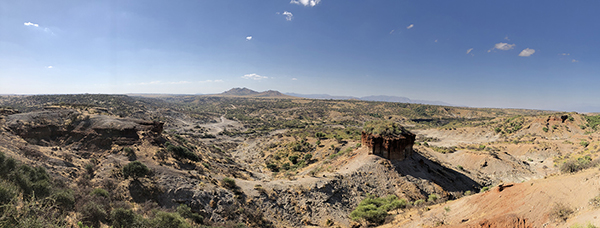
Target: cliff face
[(48, 128), (391, 147)]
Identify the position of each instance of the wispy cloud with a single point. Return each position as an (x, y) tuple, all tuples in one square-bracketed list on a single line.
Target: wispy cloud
[(469, 51), (31, 24), (254, 77), (527, 52), (49, 67), (506, 38), (310, 3), (435, 41), (564, 54), (574, 61), (503, 46), (410, 26), (294, 79), (37, 27), (288, 15), (249, 38), (392, 31)]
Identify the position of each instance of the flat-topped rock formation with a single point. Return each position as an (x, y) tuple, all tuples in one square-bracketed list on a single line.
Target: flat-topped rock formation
[(388, 140)]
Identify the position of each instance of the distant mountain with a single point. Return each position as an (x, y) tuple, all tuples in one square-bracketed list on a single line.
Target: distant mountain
[(369, 98), (245, 92), (322, 96), (239, 92)]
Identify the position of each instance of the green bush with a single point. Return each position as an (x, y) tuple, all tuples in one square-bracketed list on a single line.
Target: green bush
[(64, 199), (293, 159), (545, 129), (560, 211), (575, 165), (100, 192), (383, 128), (135, 170), (186, 212), (7, 192), (182, 152), (168, 220), (228, 183), (307, 157), (285, 166), (484, 189), (374, 210), (93, 213), (432, 198), (273, 167), (584, 143), (123, 218)]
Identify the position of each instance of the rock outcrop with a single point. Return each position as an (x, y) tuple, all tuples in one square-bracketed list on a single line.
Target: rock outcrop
[(392, 147), (86, 131)]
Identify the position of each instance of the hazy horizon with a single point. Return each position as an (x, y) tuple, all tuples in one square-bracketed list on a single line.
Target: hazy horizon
[(528, 55)]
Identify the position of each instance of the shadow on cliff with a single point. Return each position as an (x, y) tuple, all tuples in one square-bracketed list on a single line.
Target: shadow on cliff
[(418, 166)]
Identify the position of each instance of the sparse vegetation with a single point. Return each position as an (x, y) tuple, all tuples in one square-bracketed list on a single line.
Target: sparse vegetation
[(135, 170), (560, 211), (374, 210)]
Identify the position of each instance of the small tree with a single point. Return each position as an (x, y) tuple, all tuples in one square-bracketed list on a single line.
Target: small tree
[(135, 169)]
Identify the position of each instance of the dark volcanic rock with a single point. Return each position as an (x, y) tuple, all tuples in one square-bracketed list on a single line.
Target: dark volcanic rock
[(392, 147), (60, 127)]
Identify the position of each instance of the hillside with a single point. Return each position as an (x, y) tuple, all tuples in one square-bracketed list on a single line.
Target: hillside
[(292, 162)]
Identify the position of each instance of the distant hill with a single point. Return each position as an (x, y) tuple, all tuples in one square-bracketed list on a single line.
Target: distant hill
[(245, 92), (239, 92), (369, 98)]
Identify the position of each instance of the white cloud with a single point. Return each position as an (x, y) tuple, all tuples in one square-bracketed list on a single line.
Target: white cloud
[(294, 79), (469, 51), (31, 24), (392, 31), (49, 67), (527, 52), (502, 46), (310, 3), (249, 38), (288, 15), (254, 77), (564, 54), (506, 38), (435, 41), (410, 26), (574, 61)]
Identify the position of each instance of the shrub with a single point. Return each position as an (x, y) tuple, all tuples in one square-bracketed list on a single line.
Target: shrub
[(186, 212), (100, 192), (560, 211), (307, 157), (419, 202), (168, 220), (481, 147), (285, 166), (432, 198), (273, 167), (595, 202), (182, 152), (228, 183), (374, 210), (584, 143), (64, 199), (130, 153), (122, 218), (89, 169), (93, 213), (135, 169), (293, 159), (383, 128), (574, 165), (545, 129), (484, 189), (7, 192)]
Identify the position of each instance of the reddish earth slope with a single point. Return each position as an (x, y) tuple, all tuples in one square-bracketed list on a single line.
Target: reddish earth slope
[(528, 204)]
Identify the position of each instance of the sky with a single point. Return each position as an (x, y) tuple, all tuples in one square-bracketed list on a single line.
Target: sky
[(507, 54)]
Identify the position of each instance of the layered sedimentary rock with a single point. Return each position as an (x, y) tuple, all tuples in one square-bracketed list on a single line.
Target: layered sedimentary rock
[(69, 126), (392, 147)]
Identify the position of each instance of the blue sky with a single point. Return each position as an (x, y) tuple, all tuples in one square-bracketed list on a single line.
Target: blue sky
[(519, 54)]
